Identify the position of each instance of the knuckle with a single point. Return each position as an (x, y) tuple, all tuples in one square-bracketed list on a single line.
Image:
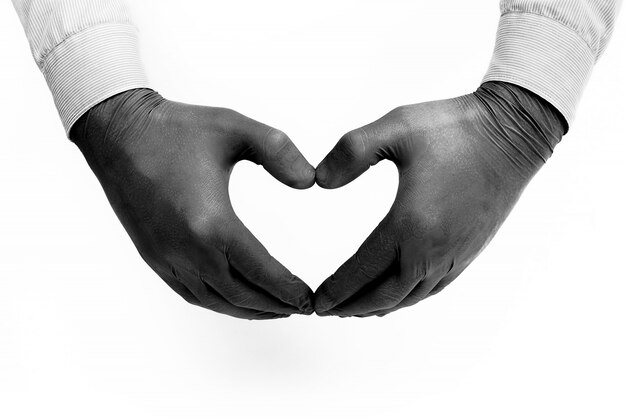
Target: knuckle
[(400, 112), (221, 117), (275, 142), (228, 113), (402, 116), (354, 143)]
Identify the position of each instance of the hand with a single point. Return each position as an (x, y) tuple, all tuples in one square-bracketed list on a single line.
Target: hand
[(164, 167), (463, 163)]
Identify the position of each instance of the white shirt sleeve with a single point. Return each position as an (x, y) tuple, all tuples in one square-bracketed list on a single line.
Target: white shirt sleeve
[(550, 46), (87, 51)]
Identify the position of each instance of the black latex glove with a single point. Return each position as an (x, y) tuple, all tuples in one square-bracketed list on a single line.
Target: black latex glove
[(164, 167), (463, 163)]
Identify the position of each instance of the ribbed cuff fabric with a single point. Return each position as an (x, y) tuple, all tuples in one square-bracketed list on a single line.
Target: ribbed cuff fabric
[(543, 56), (91, 66)]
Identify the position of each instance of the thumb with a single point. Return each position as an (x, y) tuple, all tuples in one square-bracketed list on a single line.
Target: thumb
[(275, 151), (357, 151)]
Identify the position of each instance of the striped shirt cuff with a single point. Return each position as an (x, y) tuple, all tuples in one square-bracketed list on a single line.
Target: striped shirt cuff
[(543, 56), (91, 66)]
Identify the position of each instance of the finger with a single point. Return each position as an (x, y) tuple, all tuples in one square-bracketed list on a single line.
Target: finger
[(199, 293), (386, 293), (358, 150), (275, 151), (245, 293), (171, 281), (374, 260), (250, 261), (213, 300), (217, 272), (182, 290), (443, 283), (421, 292)]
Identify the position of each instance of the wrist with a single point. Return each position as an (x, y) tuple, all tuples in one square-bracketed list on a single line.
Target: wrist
[(539, 102), (531, 122), (101, 117)]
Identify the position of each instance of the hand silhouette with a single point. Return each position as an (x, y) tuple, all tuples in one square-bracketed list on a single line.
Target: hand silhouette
[(164, 167), (463, 163)]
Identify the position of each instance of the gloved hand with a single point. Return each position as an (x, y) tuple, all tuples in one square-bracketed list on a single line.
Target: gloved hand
[(164, 167), (463, 163)]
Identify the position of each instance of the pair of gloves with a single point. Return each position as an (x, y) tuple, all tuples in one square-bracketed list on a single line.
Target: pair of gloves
[(462, 162)]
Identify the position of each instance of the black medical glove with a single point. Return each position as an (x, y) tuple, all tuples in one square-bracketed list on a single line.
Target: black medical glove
[(164, 167), (463, 163)]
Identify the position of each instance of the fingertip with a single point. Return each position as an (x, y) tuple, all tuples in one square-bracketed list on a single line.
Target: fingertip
[(322, 304), (321, 176), (307, 303), (306, 179), (298, 294), (282, 159), (298, 174), (333, 175), (308, 311), (322, 313), (327, 178)]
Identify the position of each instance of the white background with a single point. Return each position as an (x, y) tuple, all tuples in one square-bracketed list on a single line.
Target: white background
[(534, 327)]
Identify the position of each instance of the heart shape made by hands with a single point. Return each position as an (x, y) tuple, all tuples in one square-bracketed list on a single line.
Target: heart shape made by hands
[(313, 231)]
